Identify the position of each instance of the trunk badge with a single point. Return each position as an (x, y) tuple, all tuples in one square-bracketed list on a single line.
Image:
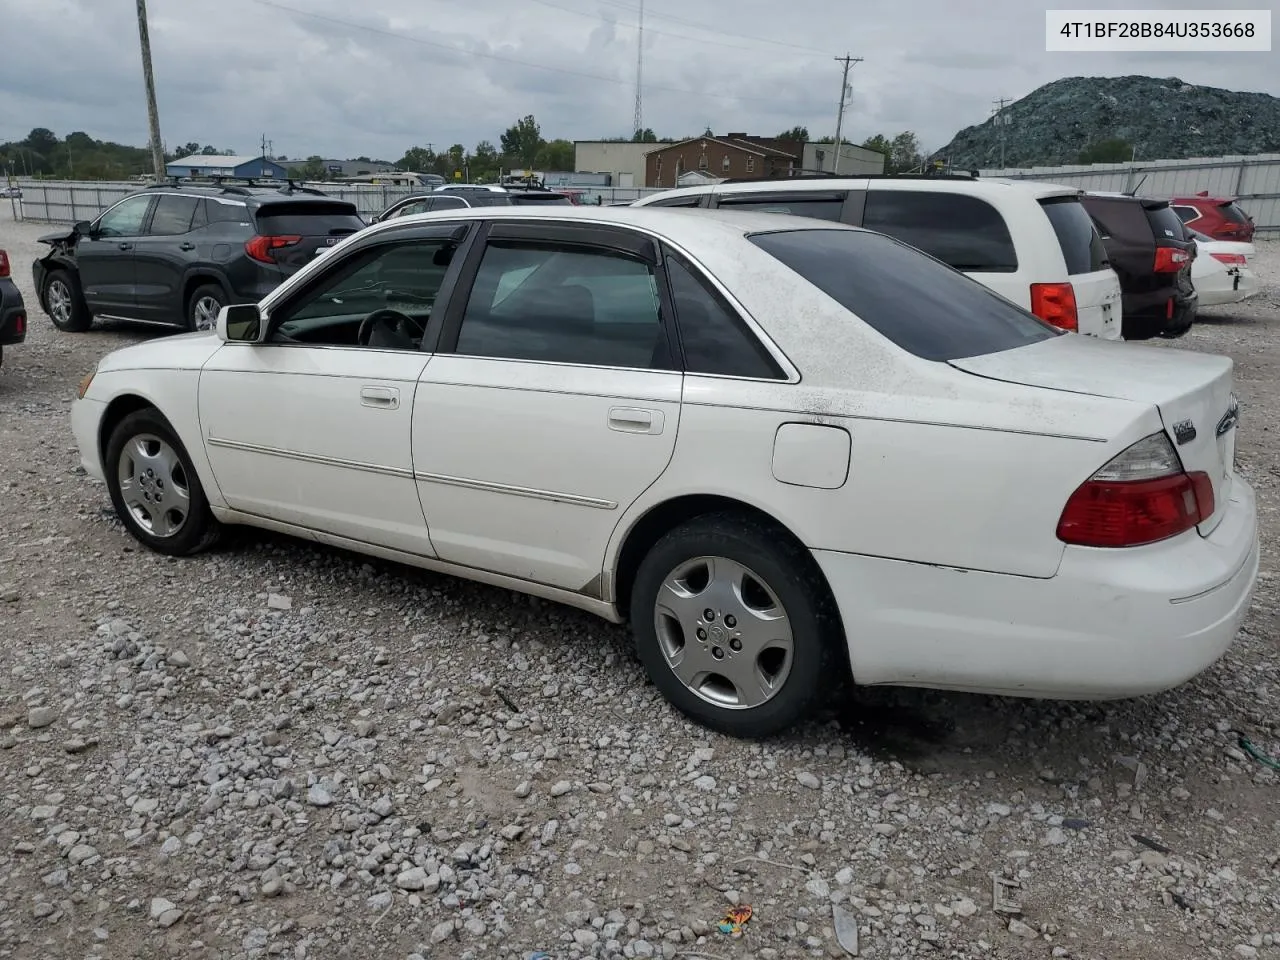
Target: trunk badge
[(1230, 418), (330, 241), (1184, 431)]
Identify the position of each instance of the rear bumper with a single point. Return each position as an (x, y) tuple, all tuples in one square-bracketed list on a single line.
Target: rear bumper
[(1222, 287), (1148, 316), (1110, 624), (13, 314)]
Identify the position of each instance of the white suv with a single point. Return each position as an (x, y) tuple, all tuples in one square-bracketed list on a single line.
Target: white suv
[(1033, 243)]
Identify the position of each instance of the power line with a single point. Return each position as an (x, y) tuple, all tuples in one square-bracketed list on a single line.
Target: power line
[(270, 4), (716, 29), (661, 33)]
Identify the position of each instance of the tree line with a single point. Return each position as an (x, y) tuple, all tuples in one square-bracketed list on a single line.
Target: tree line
[(79, 156)]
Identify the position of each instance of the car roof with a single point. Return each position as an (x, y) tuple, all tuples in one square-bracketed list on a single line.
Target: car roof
[(990, 186), (239, 191)]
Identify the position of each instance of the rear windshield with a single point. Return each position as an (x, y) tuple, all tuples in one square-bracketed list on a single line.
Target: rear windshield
[(308, 219), (1166, 224), (1081, 246), (487, 199), (919, 303), (535, 200), (1233, 213)]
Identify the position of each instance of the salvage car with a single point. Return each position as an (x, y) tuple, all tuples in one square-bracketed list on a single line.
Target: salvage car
[(1223, 271), (175, 253), (13, 311), (784, 450)]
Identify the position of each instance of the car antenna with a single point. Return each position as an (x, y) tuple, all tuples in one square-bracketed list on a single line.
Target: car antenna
[(1134, 191)]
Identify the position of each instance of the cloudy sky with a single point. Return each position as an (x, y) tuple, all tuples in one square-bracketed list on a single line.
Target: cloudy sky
[(342, 79)]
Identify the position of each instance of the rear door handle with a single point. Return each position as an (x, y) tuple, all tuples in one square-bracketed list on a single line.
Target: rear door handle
[(387, 398), (635, 420), (125, 246), (186, 246)]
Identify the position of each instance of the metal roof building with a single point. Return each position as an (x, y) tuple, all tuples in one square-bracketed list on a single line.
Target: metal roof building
[(199, 165)]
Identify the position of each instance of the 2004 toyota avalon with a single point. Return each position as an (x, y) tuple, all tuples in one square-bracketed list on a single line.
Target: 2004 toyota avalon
[(776, 446)]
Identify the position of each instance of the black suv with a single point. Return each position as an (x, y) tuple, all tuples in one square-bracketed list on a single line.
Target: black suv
[(1151, 253), (176, 253), (13, 312)]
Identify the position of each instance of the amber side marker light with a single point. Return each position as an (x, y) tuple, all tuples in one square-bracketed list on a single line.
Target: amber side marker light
[(84, 384)]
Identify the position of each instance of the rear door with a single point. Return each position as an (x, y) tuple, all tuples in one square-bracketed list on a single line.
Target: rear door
[(161, 257), (304, 226), (1095, 284)]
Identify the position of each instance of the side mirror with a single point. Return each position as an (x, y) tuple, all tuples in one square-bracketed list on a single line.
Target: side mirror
[(84, 228), (241, 323)]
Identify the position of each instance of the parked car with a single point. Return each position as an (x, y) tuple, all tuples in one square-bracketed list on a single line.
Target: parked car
[(430, 202), (781, 448), (1031, 242), (11, 192), (1151, 252), (1218, 217), (13, 311), (1222, 271), (539, 198), (175, 254)]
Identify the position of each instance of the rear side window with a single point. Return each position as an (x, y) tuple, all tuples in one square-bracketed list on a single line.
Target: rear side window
[(1186, 214), (1081, 246), (1232, 212), (172, 215), (677, 202), (535, 200), (924, 308), (306, 219), (489, 199), (820, 207), (216, 212), (961, 231), (1166, 224)]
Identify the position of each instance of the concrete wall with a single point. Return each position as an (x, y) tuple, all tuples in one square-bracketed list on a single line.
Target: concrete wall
[(1254, 181)]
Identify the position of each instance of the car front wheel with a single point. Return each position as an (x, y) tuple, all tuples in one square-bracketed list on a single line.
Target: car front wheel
[(65, 304), (154, 487), (734, 625)]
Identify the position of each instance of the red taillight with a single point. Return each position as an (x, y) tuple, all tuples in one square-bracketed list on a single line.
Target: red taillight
[(1142, 496), (260, 247), (20, 325), (1235, 259), (1170, 260), (1168, 309), (4, 264), (1055, 304)]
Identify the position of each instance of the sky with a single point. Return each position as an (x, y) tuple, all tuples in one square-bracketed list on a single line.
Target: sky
[(373, 78)]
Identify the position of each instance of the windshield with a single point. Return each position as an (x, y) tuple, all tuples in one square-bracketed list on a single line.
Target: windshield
[(921, 304)]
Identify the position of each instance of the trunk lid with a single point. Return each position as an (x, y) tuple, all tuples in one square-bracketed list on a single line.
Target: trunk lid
[(1098, 303), (1193, 393), (318, 224)]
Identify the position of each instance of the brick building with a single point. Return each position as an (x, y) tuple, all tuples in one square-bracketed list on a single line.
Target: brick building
[(732, 155)]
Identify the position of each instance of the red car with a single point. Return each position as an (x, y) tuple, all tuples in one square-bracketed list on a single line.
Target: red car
[(1219, 217)]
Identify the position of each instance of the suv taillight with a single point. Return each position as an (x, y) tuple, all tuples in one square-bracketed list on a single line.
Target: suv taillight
[(1143, 495), (1055, 304), (4, 264), (260, 248), (1170, 259)]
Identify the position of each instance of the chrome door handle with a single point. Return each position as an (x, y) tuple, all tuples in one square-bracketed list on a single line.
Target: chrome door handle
[(186, 246), (386, 398), (125, 246), (635, 420)]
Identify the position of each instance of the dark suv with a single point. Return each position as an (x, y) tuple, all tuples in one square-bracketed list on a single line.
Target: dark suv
[(1150, 251), (176, 253)]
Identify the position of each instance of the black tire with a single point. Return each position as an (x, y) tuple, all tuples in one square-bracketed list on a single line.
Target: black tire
[(76, 317), (205, 292), (789, 572), (199, 529)]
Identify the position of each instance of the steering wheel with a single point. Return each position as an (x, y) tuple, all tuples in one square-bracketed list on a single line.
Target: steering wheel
[(399, 325)]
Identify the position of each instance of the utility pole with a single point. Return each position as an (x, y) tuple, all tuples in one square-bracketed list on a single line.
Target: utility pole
[(848, 61), (1002, 121), (148, 79)]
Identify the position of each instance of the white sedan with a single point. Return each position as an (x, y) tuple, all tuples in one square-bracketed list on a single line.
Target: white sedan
[(784, 450), (1222, 271)]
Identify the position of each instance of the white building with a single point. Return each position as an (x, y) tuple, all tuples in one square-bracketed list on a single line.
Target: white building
[(623, 160), (854, 161)]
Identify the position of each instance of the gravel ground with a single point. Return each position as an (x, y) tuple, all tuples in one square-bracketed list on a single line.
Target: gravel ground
[(279, 750)]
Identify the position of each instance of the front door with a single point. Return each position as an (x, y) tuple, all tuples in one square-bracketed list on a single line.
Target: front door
[(552, 403), (105, 258), (312, 426)]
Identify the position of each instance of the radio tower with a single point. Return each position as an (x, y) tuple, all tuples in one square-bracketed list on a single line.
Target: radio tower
[(637, 123)]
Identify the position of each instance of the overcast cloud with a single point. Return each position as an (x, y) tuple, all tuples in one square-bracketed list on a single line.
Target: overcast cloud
[(343, 79)]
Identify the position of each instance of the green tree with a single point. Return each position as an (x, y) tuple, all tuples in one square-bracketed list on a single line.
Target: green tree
[(901, 154), (1113, 150), (644, 136), (417, 159), (42, 140), (486, 163), (555, 155), (522, 141), (795, 133)]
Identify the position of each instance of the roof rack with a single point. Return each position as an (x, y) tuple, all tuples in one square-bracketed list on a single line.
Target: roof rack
[(828, 175)]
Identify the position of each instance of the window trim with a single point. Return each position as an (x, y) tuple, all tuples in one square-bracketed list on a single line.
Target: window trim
[(737, 317), (630, 243), (277, 304)]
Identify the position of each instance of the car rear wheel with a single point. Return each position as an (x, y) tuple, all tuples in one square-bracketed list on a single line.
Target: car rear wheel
[(734, 625), (154, 487), (64, 303), (203, 307)]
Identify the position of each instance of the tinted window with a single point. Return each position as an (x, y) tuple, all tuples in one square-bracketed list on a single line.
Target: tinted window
[(222, 212), (677, 202), (1166, 224), (821, 208), (125, 218), (1186, 214), (447, 203), (172, 215), (920, 305), (961, 231), (714, 338), (306, 219), (489, 199), (564, 304), (1233, 213), (1081, 246), (201, 217), (534, 199)]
